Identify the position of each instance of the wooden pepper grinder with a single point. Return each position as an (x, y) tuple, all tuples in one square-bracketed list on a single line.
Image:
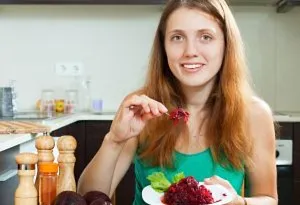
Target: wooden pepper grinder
[(26, 192), (66, 160), (44, 146)]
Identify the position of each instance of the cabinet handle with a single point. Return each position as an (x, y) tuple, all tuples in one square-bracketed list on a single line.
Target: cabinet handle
[(8, 174)]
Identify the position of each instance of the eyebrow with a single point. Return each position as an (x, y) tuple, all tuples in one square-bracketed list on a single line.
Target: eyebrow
[(199, 31)]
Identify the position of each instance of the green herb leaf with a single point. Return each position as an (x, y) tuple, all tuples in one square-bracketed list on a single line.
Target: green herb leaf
[(159, 182), (178, 177)]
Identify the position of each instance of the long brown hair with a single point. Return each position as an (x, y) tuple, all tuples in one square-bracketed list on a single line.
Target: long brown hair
[(227, 104)]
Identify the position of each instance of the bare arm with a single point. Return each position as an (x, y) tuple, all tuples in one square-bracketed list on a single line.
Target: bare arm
[(99, 172), (124, 161), (113, 158), (262, 175)]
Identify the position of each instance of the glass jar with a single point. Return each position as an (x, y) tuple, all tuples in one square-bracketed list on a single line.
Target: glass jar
[(47, 182), (47, 102), (71, 101)]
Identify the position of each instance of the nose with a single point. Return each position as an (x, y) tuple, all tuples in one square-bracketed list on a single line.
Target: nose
[(191, 49)]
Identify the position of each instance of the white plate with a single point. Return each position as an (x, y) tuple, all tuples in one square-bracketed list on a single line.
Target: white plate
[(150, 196)]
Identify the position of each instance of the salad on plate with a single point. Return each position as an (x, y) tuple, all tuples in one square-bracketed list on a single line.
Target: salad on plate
[(183, 191)]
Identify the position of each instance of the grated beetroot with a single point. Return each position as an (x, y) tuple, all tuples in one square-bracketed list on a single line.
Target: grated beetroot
[(178, 114), (187, 192)]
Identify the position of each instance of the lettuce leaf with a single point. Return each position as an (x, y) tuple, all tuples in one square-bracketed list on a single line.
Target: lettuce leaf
[(178, 177), (159, 182)]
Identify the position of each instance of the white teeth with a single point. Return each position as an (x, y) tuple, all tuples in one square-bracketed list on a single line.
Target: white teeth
[(192, 66)]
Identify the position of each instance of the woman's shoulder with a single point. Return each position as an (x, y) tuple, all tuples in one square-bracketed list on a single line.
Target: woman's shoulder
[(260, 117), (259, 109)]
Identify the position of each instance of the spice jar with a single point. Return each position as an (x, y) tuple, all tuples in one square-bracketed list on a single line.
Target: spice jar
[(71, 101), (47, 103), (26, 192), (48, 182)]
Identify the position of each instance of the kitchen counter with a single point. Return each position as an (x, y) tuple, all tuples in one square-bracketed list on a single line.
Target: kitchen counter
[(57, 123), (11, 140)]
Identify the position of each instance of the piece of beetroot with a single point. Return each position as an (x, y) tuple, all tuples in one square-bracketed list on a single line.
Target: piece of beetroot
[(179, 114), (93, 195), (100, 201), (69, 198)]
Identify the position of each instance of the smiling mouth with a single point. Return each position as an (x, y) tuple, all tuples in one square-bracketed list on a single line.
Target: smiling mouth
[(192, 66)]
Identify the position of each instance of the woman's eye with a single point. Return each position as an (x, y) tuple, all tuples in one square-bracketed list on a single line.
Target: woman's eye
[(206, 37), (177, 38)]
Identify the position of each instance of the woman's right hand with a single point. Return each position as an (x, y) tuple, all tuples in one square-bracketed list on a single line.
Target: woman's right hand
[(132, 116)]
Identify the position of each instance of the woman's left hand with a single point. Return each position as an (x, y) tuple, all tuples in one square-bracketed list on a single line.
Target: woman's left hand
[(237, 200)]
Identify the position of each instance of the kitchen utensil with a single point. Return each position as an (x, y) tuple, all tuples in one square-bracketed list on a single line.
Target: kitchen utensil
[(21, 127), (6, 102)]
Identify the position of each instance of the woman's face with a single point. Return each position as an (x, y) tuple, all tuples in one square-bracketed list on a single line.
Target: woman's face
[(194, 45)]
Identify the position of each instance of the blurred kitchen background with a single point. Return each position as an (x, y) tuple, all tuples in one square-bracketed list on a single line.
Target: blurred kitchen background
[(87, 52), (109, 45)]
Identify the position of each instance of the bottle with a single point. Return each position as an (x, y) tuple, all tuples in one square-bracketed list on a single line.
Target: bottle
[(66, 160), (47, 182), (44, 146), (26, 192), (86, 97)]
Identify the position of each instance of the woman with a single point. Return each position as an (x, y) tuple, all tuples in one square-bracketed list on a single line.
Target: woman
[(198, 64)]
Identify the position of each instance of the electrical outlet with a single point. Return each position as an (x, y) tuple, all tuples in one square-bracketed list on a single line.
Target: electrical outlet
[(69, 69)]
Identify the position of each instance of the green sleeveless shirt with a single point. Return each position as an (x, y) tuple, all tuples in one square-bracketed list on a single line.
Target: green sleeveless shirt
[(200, 165)]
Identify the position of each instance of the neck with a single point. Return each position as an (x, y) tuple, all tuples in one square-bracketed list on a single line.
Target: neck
[(196, 97)]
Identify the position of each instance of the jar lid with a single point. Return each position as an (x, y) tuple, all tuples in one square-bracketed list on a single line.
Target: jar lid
[(48, 167)]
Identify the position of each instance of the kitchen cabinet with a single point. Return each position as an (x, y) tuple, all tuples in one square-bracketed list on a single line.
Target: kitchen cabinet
[(95, 133), (111, 2), (285, 180), (296, 192), (89, 136), (296, 152), (285, 130), (296, 162), (291, 130)]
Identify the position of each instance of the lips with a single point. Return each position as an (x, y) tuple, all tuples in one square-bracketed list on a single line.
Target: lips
[(192, 66)]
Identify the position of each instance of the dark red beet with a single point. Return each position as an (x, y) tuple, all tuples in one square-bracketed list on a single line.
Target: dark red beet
[(177, 114), (93, 195), (187, 192), (100, 202), (69, 198)]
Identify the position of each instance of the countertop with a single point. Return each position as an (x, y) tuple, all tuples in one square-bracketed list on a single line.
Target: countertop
[(11, 140)]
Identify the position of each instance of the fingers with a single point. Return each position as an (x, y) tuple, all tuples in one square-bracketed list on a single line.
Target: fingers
[(147, 116), (145, 105), (217, 180), (225, 183)]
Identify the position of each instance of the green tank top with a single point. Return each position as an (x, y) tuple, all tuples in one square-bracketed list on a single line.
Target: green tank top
[(200, 165)]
